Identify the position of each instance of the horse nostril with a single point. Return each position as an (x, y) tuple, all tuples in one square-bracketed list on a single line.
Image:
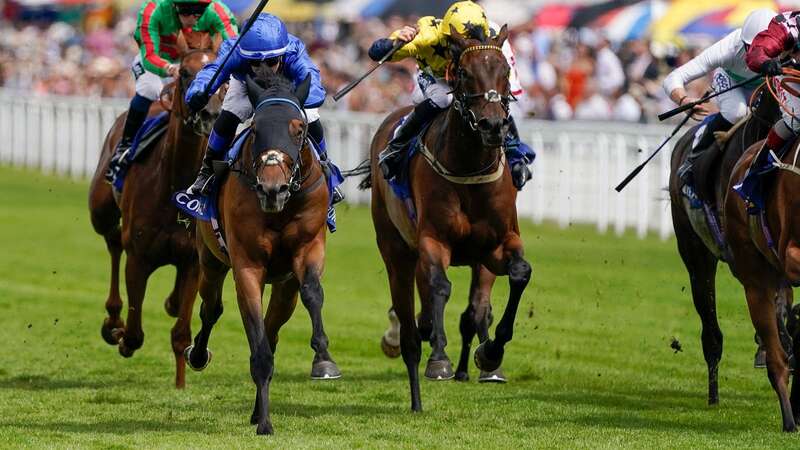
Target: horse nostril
[(260, 188), (484, 125), (283, 189)]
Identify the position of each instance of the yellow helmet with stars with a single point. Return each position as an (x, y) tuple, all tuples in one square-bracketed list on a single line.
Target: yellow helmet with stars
[(468, 18)]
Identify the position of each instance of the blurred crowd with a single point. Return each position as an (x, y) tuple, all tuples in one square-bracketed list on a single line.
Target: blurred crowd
[(566, 75)]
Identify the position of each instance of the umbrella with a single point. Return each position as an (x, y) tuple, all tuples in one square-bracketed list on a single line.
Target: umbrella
[(586, 15), (630, 22), (386, 8), (704, 17)]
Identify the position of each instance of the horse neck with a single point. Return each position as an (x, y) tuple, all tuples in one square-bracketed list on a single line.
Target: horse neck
[(461, 151), (184, 146)]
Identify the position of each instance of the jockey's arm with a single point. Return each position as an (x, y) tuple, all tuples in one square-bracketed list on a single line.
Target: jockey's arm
[(218, 20), (407, 34), (767, 45), (709, 59), (203, 77), (151, 44), (298, 66)]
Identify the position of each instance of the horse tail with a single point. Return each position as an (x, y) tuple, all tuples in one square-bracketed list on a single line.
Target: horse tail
[(362, 169)]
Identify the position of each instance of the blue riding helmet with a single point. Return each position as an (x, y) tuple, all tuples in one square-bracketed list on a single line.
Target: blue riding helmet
[(267, 38)]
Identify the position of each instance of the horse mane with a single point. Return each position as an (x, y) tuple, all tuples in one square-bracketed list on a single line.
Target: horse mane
[(273, 83)]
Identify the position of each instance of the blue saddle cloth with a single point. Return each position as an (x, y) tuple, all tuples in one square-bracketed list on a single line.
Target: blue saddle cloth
[(752, 186), (205, 208), (144, 140)]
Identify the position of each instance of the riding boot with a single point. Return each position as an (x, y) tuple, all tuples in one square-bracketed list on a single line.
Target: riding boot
[(519, 156), (717, 123), (390, 158), (137, 113), (218, 142), (317, 133)]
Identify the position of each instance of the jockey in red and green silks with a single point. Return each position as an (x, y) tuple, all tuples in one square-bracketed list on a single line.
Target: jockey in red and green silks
[(156, 33)]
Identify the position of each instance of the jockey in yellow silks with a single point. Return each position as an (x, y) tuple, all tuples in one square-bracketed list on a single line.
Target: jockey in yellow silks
[(429, 44)]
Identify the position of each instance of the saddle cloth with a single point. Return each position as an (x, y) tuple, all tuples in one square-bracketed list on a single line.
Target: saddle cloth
[(145, 139)]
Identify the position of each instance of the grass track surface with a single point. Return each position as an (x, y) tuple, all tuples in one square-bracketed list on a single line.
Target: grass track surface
[(590, 364)]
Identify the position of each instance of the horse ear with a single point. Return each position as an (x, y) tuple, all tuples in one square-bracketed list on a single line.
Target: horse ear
[(502, 36), (303, 90), (254, 90), (457, 42)]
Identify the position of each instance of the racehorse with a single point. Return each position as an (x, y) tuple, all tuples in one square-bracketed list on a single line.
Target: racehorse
[(151, 234), (464, 210), (698, 230), (766, 257), (273, 215)]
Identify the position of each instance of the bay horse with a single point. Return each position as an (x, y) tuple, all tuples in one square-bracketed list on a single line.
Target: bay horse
[(151, 233), (273, 215), (464, 207), (766, 259), (698, 243)]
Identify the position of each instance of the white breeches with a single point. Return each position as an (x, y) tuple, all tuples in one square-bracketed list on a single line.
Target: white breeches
[(148, 84), (237, 102)]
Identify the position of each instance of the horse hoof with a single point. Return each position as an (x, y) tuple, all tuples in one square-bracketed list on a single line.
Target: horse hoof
[(483, 361), (325, 370), (391, 351), (108, 334), (124, 350), (264, 428), (760, 360), (187, 354), (439, 370), (496, 376), (462, 376)]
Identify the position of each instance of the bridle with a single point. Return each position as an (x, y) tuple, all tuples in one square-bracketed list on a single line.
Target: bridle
[(295, 178), (463, 100), (199, 126)]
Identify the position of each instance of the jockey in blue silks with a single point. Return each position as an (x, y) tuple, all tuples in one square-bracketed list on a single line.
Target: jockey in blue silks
[(266, 45)]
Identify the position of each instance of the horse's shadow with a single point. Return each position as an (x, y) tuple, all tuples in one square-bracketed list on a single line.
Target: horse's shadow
[(45, 383)]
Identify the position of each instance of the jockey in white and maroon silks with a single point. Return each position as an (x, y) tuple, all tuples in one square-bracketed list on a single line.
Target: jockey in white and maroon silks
[(726, 59), (779, 42), (156, 34)]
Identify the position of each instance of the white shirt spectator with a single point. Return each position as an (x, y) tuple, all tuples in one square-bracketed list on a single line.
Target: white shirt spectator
[(609, 73), (559, 108), (627, 109), (595, 107)]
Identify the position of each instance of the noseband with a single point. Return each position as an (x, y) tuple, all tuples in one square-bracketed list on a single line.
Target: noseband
[(463, 100)]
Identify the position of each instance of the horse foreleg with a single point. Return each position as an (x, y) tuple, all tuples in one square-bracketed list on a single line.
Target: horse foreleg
[(249, 288), (489, 355), (131, 337), (474, 320), (212, 278), (762, 312), (186, 281), (435, 288), (282, 303), (309, 269), (114, 301)]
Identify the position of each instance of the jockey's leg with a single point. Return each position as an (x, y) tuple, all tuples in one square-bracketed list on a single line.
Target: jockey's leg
[(236, 108), (137, 113), (148, 89), (786, 128), (732, 107), (218, 143), (431, 97), (390, 158), (317, 133), (519, 155)]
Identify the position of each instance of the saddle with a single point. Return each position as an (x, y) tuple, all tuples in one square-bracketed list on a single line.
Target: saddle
[(707, 165), (151, 131)]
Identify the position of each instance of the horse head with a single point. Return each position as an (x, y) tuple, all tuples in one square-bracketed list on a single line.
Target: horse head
[(481, 87), (191, 63), (280, 129)]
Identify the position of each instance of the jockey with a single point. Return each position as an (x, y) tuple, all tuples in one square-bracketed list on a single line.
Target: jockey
[(156, 33), (765, 55), (428, 44), (266, 45), (726, 59)]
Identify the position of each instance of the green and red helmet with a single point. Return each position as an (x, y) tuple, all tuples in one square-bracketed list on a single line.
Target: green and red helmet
[(191, 7)]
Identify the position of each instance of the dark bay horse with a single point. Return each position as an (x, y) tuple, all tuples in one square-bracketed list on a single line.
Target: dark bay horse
[(766, 270), (273, 211), (697, 242), (464, 204), (150, 233)]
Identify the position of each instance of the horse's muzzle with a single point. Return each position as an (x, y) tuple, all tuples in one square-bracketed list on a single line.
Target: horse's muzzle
[(493, 131), (272, 198)]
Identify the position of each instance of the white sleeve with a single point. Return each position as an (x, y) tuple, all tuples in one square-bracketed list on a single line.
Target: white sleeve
[(513, 76), (718, 55)]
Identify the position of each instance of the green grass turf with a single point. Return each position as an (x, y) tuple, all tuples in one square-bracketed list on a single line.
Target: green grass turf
[(590, 364)]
